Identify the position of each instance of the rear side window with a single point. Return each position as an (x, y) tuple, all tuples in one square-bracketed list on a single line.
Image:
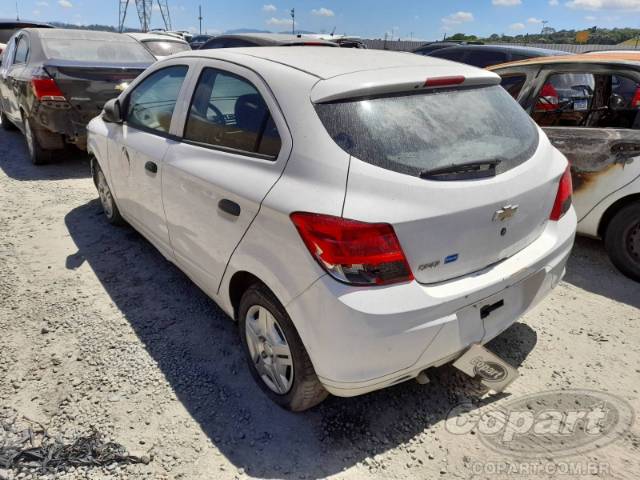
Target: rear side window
[(151, 104), (228, 112), (22, 50), (513, 84), (414, 133), (162, 48)]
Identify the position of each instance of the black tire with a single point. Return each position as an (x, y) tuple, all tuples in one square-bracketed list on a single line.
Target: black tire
[(306, 390), (37, 154), (622, 240), (109, 206), (6, 123)]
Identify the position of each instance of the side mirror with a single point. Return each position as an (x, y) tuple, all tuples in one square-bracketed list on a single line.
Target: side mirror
[(111, 112), (616, 102)]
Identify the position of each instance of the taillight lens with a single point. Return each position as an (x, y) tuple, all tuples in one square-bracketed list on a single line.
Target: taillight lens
[(46, 89), (354, 252), (563, 198), (549, 99), (635, 102)]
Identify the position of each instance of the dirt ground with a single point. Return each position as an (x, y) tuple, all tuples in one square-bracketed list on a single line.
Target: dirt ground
[(98, 330)]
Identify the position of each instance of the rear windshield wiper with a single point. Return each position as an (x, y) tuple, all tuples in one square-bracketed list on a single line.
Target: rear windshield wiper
[(463, 171)]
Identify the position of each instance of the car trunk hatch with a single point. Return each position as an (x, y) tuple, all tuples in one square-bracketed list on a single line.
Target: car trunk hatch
[(88, 86), (462, 174)]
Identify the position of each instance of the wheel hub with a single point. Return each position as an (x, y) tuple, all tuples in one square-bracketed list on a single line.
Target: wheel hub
[(269, 350)]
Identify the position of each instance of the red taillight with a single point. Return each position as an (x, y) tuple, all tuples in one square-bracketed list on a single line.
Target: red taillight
[(548, 100), (354, 252), (635, 103), (563, 198), (444, 81), (46, 89)]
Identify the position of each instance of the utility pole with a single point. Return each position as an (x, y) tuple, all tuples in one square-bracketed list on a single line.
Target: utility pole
[(17, 12), (200, 17), (544, 26), (293, 23)]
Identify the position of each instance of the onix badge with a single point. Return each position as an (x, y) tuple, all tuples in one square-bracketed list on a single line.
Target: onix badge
[(505, 213)]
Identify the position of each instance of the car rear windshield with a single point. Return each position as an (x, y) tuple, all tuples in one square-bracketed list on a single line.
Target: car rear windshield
[(414, 133), (96, 51), (162, 48)]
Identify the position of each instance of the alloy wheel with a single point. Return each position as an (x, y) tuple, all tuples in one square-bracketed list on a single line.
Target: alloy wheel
[(269, 349), (106, 199)]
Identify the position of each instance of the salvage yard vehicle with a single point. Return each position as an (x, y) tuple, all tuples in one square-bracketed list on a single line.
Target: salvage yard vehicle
[(264, 40), (486, 55), (54, 81), (364, 215), (161, 45), (589, 106)]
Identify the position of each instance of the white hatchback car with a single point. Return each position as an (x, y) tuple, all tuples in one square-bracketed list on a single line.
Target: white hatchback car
[(363, 215)]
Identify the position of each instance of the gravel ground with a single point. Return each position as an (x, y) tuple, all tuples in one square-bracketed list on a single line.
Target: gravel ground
[(97, 330)]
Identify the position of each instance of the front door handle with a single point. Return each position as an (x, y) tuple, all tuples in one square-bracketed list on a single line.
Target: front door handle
[(151, 166), (229, 206)]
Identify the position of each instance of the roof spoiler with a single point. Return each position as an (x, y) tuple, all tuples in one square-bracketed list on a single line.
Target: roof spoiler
[(400, 80)]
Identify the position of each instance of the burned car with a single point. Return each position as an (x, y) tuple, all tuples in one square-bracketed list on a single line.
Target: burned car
[(54, 81), (589, 107)]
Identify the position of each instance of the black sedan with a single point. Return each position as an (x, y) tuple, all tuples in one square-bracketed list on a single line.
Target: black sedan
[(488, 55), (54, 81)]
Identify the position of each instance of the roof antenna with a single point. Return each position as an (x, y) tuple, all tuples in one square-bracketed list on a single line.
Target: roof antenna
[(17, 12), (333, 31)]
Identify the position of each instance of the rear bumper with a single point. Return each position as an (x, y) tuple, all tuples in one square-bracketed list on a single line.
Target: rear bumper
[(63, 119), (364, 339)]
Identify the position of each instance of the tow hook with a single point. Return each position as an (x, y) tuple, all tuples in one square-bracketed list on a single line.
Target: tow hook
[(423, 378)]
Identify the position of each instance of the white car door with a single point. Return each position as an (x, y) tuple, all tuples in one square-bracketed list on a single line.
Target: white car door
[(233, 149), (138, 148)]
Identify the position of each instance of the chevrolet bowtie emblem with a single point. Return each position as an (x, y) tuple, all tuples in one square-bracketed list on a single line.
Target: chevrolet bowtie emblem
[(121, 87), (505, 213)]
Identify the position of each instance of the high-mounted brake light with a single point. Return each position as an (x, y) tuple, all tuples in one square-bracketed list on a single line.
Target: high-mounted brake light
[(444, 81), (548, 99), (353, 252), (563, 198), (46, 89)]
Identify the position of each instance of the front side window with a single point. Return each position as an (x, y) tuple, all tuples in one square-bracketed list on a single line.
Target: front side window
[(412, 134), (150, 106), (22, 50), (588, 100), (228, 112)]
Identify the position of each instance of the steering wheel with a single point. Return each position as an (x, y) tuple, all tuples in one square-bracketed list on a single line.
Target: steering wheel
[(219, 116)]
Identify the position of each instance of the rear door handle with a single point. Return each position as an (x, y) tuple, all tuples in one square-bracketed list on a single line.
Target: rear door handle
[(151, 166), (229, 206)]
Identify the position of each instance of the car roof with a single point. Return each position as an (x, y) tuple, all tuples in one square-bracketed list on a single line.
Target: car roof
[(154, 36), (73, 34), (606, 57), (7, 23), (270, 38), (325, 63), (509, 48)]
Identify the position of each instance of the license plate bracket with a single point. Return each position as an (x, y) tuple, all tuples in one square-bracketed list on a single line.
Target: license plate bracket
[(493, 372)]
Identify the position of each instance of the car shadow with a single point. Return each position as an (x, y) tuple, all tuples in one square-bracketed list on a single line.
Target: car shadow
[(15, 163), (198, 350), (589, 268)]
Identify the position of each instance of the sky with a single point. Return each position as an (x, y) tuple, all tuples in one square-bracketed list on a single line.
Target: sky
[(407, 19)]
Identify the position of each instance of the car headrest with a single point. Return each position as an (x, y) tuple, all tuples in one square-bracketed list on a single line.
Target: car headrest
[(250, 112)]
